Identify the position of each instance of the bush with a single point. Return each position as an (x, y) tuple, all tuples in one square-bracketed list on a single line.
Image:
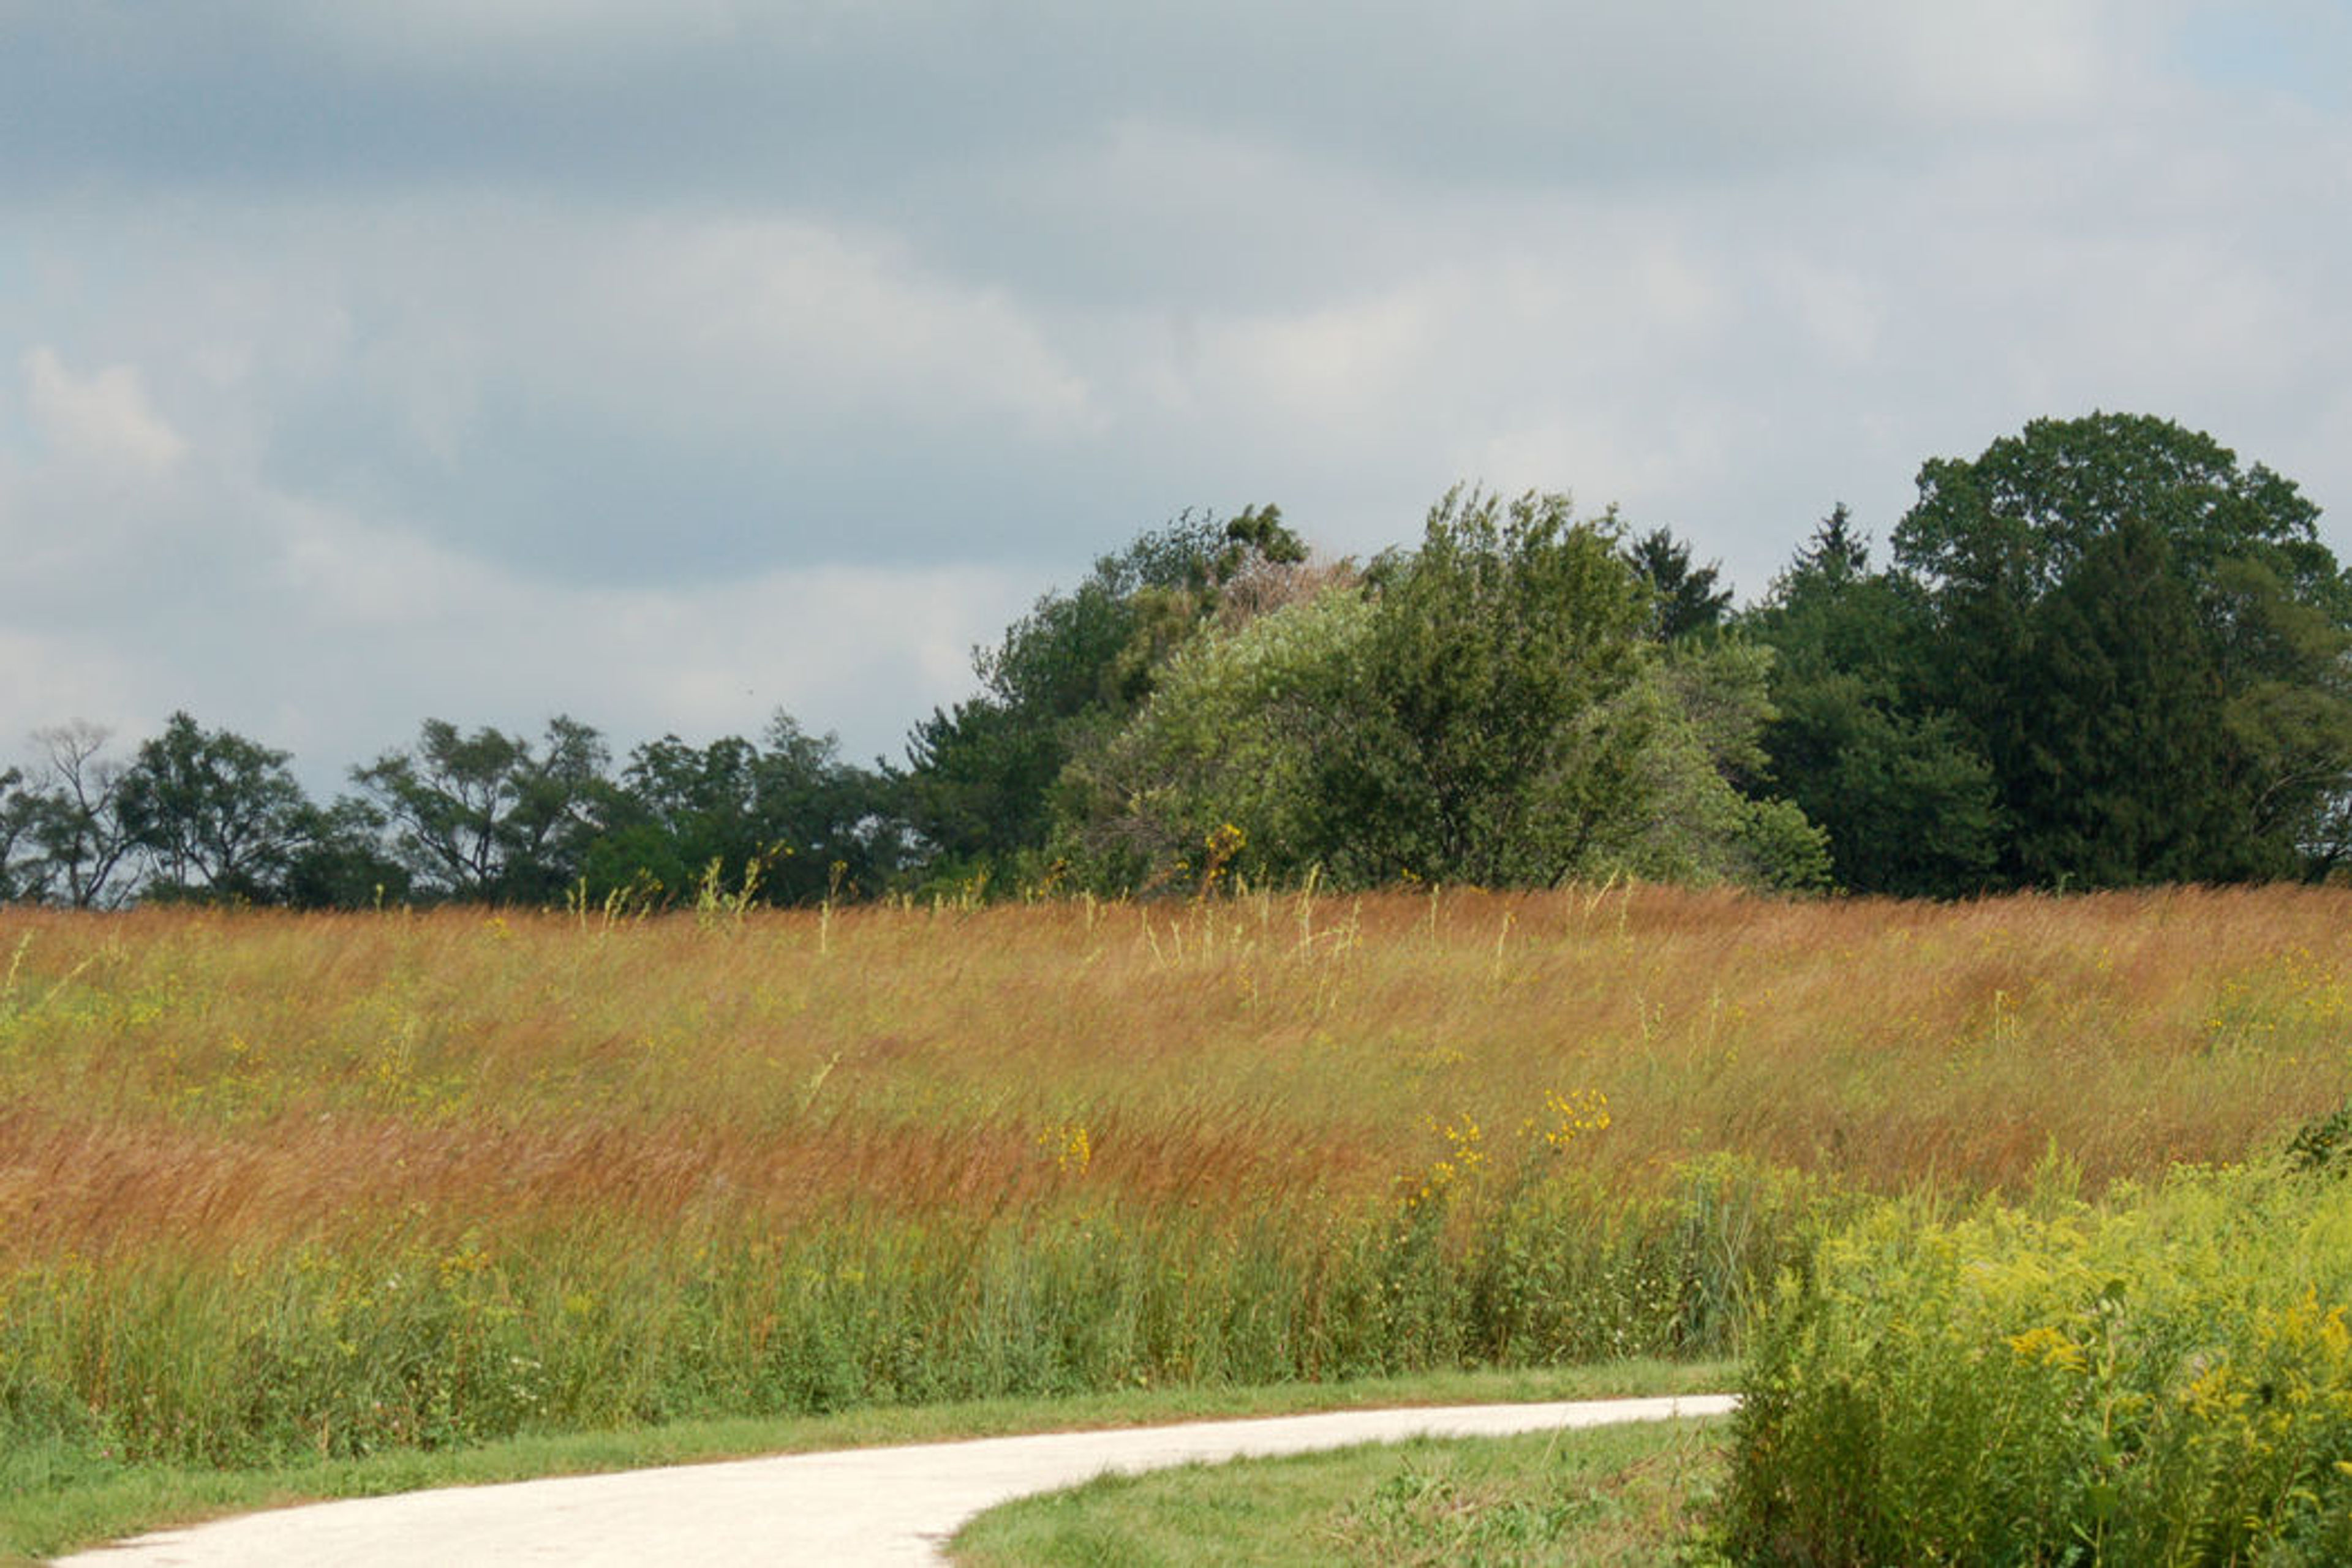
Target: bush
[(2165, 1377)]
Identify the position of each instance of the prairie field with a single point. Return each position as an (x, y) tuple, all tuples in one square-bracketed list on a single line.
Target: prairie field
[(274, 1185)]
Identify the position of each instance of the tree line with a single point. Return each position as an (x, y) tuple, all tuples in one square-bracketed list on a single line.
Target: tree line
[(2101, 653)]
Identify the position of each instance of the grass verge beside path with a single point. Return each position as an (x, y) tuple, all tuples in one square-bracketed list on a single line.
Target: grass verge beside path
[(39, 1517), (1623, 1495)]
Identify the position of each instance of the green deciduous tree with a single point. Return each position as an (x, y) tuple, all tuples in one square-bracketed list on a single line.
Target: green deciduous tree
[(1488, 709), (834, 819), (82, 849), (344, 862), (1490, 745), (2009, 524), (2115, 593), (1231, 737), (1702, 813), (489, 815), (216, 815), (21, 872), (978, 787), (683, 813), (788, 820)]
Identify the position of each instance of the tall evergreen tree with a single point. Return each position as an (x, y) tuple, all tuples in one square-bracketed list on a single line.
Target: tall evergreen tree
[(1907, 801), (1685, 600), (2119, 776)]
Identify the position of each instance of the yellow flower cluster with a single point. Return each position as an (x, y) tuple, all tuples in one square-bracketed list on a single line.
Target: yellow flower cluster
[(2048, 1345), (1462, 1155), (1069, 1146), (1223, 842), (1568, 1117), (2301, 1370)]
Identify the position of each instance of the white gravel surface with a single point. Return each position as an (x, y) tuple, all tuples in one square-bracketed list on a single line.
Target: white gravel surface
[(840, 1509)]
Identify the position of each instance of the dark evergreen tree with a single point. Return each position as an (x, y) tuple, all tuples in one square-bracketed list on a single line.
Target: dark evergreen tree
[(1908, 803), (2260, 617), (1684, 600), (1838, 552), (2120, 776)]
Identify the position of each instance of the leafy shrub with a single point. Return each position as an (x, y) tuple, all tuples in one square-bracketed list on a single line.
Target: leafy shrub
[(2323, 1144), (2165, 1377)]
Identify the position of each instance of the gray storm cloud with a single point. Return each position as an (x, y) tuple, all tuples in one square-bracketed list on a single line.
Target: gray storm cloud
[(669, 364)]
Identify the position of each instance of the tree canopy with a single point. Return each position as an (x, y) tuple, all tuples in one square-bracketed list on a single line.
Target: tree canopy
[(1491, 708), (981, 775), (220, 816), (2145, 642), (489, 815), (2101, 652)]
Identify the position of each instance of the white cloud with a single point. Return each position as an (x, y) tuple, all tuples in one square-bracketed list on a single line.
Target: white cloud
[(701, 658), (48, 678), (505, 374), (104, 418), (1340, 365), (333, 637), (668, 363), (789, 317), (699, 661)]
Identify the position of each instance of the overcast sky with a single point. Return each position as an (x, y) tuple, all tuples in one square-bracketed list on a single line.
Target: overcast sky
[(668, 361)]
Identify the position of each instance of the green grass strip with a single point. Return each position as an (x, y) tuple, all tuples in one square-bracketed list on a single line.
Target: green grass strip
[(44, 1513), (1628, 1494)]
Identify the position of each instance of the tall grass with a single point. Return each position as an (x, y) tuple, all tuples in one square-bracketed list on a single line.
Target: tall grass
[(271, 1185)]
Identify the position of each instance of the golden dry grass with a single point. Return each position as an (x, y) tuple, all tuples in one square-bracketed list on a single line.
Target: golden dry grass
[(217, 1077), (213, 1095)]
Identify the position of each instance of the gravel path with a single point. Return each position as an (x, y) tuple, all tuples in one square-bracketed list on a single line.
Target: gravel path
[(857, 1506)]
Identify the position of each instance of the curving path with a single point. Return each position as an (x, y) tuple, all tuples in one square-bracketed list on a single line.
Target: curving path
[(856, 1506)]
